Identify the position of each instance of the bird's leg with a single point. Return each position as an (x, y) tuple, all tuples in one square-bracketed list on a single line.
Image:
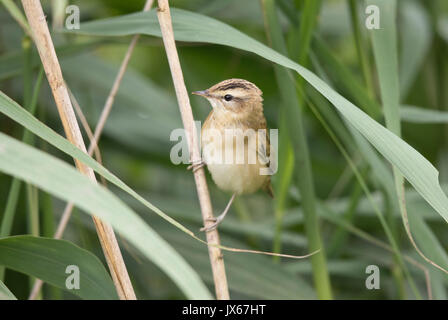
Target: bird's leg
[(219, 218), (196, 165)]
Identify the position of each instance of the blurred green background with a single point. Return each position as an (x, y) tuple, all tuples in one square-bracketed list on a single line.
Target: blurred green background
[(136, 147)]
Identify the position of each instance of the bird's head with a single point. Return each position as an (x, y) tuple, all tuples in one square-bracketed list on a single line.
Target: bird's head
[(233, 95)]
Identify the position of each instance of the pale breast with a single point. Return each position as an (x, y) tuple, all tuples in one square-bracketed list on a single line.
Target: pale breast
[(237, 179), (233, 169)]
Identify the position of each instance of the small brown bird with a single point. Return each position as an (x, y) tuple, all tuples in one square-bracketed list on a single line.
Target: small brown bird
[(234, 131)]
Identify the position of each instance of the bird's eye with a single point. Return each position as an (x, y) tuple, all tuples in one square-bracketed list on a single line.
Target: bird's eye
[(228, 97)]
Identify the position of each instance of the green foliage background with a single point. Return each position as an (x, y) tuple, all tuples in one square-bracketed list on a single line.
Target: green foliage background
[(136, 148)]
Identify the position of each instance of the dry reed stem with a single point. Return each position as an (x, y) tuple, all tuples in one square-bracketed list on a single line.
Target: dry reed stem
[(47, 53), (94, 138), (85, 125), (216, 257)]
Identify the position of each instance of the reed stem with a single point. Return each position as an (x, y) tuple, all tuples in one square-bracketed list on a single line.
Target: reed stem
[(216, 257), (361, 49), (94, 138), (41, 35)]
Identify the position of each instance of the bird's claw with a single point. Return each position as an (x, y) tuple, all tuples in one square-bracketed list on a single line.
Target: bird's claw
[(213, 226), (195, 166), (218, 219)]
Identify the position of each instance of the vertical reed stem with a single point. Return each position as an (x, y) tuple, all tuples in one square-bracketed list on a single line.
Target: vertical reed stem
[(93, 147), (216, 257), (47, 53), (361, 48)]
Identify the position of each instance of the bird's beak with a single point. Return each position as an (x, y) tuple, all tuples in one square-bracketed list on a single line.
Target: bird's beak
[(203, 93)]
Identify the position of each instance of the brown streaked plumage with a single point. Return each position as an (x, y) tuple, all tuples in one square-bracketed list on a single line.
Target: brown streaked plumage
[(237, 105)]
